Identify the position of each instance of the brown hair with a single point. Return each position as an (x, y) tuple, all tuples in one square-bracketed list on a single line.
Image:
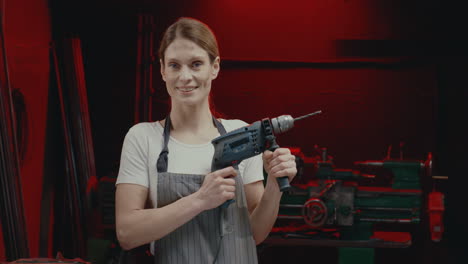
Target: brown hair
[(194, 30), (198, 32)]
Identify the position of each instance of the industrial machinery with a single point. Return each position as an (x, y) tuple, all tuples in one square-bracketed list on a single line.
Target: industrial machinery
[(365, 207)]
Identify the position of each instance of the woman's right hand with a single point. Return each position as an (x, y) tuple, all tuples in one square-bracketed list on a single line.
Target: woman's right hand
[(218, 187)]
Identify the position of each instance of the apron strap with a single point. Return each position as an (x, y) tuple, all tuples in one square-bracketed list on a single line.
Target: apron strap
[(161, 165), (219, 126), (162, 162)]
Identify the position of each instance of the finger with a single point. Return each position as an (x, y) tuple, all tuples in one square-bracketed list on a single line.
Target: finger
[(281, 159), (228, 182), (289, 172), (283, 166), (281, 151), (227, 172), (267, 155), (229, 188), (229, 195)]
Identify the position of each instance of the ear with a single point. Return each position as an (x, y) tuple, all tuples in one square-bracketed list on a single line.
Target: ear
[(161, 67), (216, 67)]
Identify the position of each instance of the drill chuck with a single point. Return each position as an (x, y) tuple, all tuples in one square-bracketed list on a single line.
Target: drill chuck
[(282, 124)]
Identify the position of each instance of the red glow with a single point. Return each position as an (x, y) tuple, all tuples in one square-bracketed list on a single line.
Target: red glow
[(436, 210), (400, 237), (27, 36), (388, 189)]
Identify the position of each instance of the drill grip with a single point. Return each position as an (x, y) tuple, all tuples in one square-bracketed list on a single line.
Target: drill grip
[(283, 182)]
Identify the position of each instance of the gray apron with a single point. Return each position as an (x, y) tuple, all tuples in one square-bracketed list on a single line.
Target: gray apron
[(219, 235)]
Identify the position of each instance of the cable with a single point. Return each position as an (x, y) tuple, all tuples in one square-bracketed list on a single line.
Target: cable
[(218, 250)]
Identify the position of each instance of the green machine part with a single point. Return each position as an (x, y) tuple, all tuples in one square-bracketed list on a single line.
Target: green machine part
[(390, 208), (326, 171), (406, 174), (369, 206)]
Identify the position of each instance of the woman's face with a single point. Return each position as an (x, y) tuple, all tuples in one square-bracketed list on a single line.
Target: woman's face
[(188, 72)]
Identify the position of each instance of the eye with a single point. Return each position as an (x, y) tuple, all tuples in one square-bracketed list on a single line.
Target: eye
[(173, 65), (197, 64)]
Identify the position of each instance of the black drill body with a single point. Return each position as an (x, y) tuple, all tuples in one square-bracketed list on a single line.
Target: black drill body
[(242, 143), (232, 148)]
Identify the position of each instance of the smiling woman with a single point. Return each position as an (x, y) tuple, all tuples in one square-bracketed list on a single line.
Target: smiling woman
[(189, 58), (169, 162), (188, 72)]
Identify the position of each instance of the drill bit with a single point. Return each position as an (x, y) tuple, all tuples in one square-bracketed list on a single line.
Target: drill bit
[(304, 116), (283, 123)]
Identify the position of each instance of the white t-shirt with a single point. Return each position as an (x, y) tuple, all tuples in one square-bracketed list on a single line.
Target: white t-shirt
[(144, 142)]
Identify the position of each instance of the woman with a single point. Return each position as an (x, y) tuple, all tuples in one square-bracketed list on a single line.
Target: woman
[(168, 164)]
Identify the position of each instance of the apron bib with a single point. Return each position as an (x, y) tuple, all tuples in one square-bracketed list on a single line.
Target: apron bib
[(219, 235)]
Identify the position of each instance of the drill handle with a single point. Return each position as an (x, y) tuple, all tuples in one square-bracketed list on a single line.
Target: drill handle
[(283, 182)]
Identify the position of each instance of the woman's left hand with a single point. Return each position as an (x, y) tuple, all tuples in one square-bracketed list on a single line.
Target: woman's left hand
[(280, 163)]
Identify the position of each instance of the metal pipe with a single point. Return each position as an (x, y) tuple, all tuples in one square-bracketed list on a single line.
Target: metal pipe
[(383, 220), (386, 209)]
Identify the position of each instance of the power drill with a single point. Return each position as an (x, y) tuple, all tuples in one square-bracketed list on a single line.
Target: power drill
[(248, 141)]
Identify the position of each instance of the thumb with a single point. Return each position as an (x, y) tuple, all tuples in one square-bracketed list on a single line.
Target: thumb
[(267, 155)]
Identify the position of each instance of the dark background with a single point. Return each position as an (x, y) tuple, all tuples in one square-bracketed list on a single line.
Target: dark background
[(375, 69), (382, 72)]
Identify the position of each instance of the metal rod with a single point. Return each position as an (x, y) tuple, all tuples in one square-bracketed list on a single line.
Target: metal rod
[(386, 209), (383, 220), (290, 217), (311, 114), (291, 205)]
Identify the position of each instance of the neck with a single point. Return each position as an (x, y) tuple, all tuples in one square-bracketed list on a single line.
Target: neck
[(191, 118)]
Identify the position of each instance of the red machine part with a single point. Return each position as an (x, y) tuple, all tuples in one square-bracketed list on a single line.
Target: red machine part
[(315, 212), (436, 210), (58, 259), (296, 151)]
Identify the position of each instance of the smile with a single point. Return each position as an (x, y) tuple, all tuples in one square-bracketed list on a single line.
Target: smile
[(186, 89)]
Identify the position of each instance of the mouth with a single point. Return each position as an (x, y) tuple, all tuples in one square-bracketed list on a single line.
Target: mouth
[(186, 89)]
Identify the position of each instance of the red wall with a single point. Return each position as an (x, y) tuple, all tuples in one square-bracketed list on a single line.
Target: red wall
[(302, 30), (365, 107), (27, 37), (364, 110)]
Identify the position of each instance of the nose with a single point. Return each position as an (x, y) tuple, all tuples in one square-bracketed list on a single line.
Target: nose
[(185, 74)]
